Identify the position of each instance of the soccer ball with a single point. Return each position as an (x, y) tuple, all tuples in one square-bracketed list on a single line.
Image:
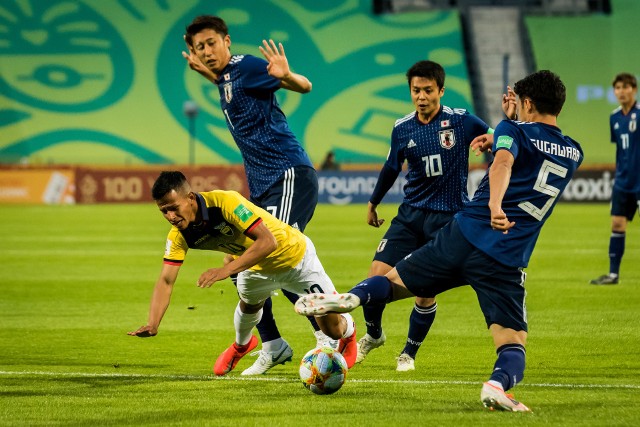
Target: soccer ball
[(323, 370)]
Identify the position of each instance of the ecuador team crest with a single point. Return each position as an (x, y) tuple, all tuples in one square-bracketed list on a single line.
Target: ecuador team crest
[(447, 139)]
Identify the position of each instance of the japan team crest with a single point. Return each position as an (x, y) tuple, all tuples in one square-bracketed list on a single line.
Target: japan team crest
[(447, 139), (228, 94)]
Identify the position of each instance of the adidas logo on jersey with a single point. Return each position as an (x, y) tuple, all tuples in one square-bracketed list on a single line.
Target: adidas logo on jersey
[(411, 144)]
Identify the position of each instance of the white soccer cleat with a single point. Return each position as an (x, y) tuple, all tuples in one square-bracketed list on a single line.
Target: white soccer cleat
[(405, 363), (493, 397), (367, 343), (268, 359), (323, 340), (315, 304)]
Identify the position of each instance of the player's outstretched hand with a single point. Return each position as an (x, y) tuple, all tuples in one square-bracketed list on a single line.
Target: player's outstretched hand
[(144, 332), (482, 143), (210, 277), (278, 65), (509, 104)]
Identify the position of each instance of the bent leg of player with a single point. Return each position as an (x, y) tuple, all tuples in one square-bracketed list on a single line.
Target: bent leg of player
[(374, 290), (270, 336), (420, 321), (254, 289), (501, 294), (309, 277)]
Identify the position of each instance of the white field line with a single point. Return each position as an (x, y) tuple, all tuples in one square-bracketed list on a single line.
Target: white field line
[(281, 379)]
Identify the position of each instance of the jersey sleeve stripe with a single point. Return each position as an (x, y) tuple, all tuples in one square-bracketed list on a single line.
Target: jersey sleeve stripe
[(252, 226), (172, 261)]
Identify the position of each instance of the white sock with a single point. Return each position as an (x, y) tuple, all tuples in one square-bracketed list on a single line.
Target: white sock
[(495, 384), (273, 345), (351, 326), (244, 324)]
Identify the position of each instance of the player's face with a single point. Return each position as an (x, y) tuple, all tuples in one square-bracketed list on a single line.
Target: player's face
[(212, 49), (179, 210), (625, 93), (425, 95)]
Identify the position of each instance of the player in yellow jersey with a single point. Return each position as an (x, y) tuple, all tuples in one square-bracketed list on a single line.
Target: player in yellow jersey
[(266, 253)]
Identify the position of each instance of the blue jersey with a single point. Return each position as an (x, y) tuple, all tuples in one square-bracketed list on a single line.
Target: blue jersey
[(437, 154), (627, 139), (256, 122), (544, 162)]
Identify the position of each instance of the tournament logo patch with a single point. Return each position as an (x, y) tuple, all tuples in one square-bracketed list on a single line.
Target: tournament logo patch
[(447, 139), (228, 94), (243, 213), (504, 141), (167, 247), (633, 124)]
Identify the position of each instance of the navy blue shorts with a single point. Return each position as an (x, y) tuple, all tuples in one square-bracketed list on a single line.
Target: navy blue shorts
[(293, 198), (624, 204), (450, 261), (410, 229)]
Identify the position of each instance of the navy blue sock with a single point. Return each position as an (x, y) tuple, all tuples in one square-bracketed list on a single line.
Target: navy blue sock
[(420, 322), (293, 298), (375, 290), (616, 250), (373, 319), (509, 368), (267, 326)]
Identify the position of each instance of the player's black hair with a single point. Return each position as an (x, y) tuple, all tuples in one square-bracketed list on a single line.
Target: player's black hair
[(625, 78), (428, 70), (166, 182), (544, 89), (204, 22)]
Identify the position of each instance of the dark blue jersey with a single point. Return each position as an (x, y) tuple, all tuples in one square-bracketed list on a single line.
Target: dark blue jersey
[(258, 125), (437, 154), (544, 162), (625, 135)]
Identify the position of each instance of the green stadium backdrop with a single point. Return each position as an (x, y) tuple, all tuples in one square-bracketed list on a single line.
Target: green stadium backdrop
[(103, 81)]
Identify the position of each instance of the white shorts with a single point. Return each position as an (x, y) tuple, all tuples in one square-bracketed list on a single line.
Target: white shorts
[(305, 278)]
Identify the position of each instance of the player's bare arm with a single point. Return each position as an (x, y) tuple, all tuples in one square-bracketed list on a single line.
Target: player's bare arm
[(264, 244), (499, 175), (196, 65), (278, 67), (159, 301), (509, 104), (372, 216)]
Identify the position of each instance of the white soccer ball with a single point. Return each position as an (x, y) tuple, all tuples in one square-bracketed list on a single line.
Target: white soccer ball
[(323, 370)]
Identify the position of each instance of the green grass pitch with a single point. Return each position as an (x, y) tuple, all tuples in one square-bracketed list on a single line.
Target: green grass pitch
[(75, 279)]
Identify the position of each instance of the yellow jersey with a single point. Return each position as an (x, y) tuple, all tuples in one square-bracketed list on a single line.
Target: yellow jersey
[(227, 217)]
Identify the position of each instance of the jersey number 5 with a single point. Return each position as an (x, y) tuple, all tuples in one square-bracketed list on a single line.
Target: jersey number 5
[(542, 186)]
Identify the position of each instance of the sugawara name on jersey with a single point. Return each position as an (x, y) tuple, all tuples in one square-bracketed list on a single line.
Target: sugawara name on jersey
[(557, 149)]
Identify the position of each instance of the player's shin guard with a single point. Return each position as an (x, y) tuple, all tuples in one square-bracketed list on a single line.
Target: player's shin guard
[(375, 290), (267, 328), (373, 319), (420, 322), (509, 368), (616, 250), (244, 323)]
